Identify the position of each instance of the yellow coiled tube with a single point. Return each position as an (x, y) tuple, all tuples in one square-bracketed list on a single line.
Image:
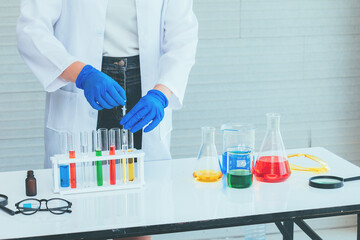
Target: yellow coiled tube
[(322, 169)]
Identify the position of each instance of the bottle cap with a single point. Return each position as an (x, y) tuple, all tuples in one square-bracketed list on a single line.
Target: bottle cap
[(30, 173)]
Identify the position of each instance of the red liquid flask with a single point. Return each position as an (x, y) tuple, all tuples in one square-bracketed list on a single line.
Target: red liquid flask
[(272, 165), (272, 169)]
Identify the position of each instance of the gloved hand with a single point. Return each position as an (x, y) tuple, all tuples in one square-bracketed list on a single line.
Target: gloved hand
[(149, 108), (100, 90)]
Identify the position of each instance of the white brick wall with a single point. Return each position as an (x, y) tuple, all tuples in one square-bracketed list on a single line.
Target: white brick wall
[(299, 58)]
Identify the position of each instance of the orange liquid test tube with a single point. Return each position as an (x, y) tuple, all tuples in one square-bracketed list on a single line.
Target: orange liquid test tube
[(72, 170), (71, 148)]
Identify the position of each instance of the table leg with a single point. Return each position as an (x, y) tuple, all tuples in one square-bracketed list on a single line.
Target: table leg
[(286, 229), (307, 229), (289, 226), (358, 227)]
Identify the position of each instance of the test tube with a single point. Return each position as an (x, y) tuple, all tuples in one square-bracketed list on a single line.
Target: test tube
[(114, 133), (124, 149), (96, 139), (71, 149), (86, 166), (131, 160), (64, 168), (105, 147)]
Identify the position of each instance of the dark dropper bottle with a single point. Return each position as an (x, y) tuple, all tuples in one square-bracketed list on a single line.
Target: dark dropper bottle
[(30, 183)]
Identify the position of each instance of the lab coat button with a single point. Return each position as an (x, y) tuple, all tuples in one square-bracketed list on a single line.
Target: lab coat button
[(92, 113)]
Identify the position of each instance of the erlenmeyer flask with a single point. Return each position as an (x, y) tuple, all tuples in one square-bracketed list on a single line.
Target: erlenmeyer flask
[(207, 165), (272, 164)]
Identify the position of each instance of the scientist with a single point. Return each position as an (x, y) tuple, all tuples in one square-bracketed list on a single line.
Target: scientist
[(145, 49)]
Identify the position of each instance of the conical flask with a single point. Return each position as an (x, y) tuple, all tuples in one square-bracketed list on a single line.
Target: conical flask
[(207, 164), (272, 164)]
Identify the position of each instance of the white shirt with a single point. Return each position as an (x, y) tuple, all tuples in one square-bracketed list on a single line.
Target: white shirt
[(121, 33)]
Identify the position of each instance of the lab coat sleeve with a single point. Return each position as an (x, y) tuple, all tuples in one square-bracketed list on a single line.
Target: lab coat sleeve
[(41, 50), (178, 48)]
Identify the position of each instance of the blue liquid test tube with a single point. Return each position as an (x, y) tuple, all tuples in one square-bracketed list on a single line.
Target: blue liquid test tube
[(64, 168), (64, 176)]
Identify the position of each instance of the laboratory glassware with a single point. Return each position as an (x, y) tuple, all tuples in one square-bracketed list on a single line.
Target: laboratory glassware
[(104, 134), (96, 136), (116, 132), (125, 148), (64, 168), (207, 164), (71, 149), (239, 166), (113, 135), (236, 135), (30, 184), (87, 166), (272, 164), (131, 161), (54, 205)]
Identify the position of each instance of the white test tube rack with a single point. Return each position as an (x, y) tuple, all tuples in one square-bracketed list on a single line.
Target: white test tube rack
[(91, 157)]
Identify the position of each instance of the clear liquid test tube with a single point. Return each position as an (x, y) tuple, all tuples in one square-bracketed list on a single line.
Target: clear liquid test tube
[(71, 150), (105, 147), (125, 145), (86, 170)]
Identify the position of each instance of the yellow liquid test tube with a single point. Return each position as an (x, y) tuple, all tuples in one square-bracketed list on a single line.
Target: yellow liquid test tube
[(131, 168), (123, 162), (131, 160)]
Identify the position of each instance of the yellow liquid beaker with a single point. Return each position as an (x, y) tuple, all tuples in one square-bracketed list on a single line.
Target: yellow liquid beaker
[(207, 175)]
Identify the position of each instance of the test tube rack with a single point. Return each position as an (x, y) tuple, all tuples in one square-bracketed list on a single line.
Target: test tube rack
[(63, 159)]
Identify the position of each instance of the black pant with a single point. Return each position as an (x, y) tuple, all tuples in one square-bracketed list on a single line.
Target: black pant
[(126, 72)]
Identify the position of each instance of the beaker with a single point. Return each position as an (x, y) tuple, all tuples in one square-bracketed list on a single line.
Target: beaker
[(272, 164), (207, 164), (236, 135), (239, 167)]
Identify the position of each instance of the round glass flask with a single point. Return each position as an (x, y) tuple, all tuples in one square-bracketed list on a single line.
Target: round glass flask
[(207, 165), (272, 164)]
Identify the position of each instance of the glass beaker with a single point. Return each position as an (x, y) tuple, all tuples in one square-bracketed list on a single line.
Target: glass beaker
[(236, 135), (272, 164), (239, 167), (207, 165)]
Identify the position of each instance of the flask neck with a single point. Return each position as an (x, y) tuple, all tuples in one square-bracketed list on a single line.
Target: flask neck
[(273, 122), (208, 135)]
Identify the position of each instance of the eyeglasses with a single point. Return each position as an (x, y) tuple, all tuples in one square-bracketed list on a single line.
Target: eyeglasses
[(31, 206)]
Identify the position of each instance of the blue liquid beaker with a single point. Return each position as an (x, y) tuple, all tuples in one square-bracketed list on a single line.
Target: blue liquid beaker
[(236, 135)]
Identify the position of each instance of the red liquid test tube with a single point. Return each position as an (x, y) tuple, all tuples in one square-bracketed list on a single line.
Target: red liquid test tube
[(112, 166)]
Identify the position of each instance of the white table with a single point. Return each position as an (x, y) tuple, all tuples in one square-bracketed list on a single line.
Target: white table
[(172, 201)]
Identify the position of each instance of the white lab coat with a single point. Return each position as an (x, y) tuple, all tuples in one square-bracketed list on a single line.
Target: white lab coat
[(52, 34)]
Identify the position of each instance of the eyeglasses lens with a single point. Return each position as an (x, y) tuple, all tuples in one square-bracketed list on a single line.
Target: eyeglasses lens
[(29, 207), (57, 206)]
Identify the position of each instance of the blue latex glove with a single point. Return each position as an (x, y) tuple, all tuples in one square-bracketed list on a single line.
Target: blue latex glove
[(149, 108), (100, 90)]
